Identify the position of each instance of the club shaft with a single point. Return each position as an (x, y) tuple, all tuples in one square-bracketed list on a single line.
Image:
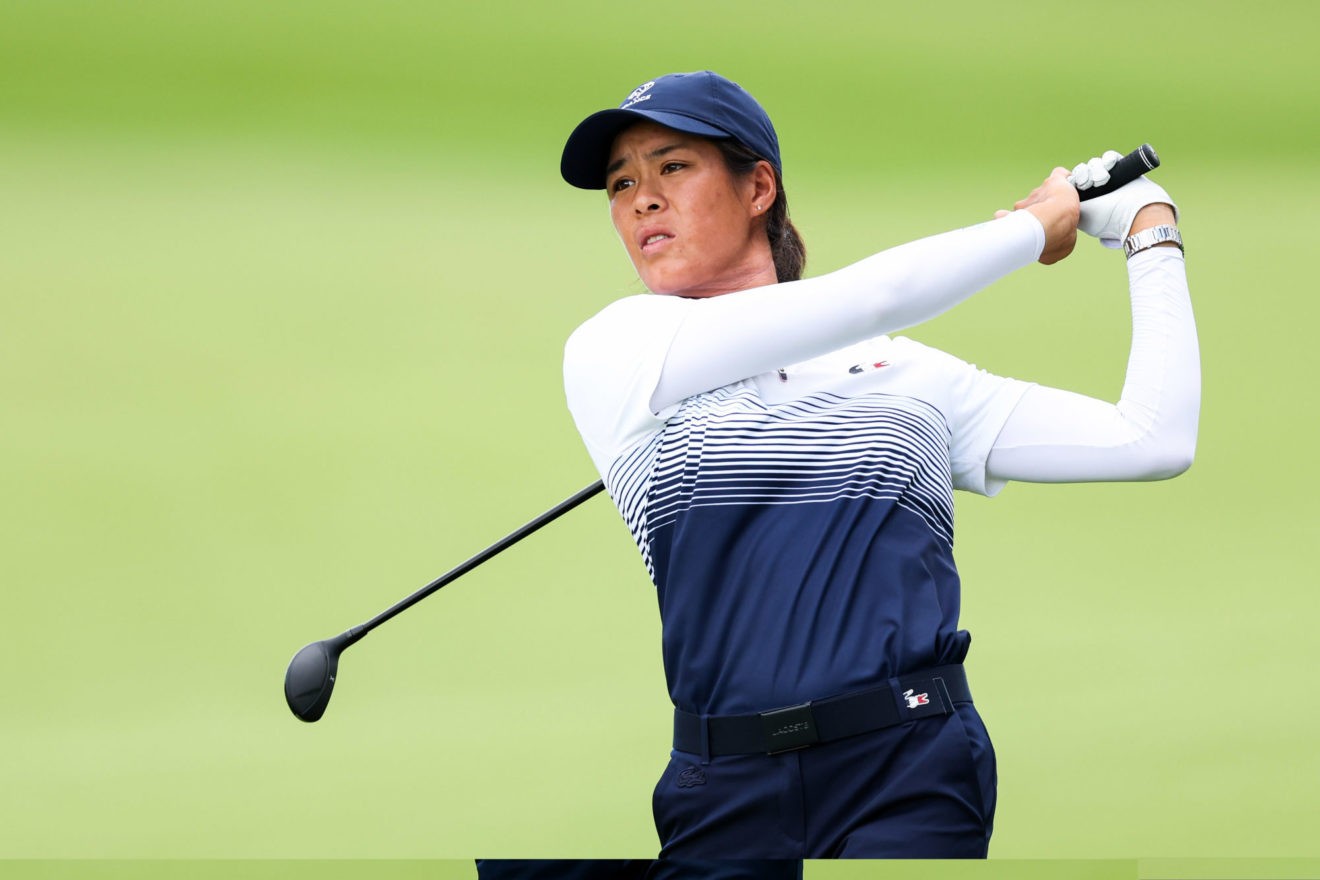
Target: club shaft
[(463, 568)]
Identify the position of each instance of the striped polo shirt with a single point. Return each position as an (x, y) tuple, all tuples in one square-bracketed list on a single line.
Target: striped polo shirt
[(798, 525)]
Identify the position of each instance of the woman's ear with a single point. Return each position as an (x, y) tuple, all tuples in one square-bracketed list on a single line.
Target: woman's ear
[(764, 189)]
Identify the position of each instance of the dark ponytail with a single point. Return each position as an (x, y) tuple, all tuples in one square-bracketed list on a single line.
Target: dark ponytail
[(786, 245)]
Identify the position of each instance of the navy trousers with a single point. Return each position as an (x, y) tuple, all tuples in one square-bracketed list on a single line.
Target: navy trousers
[(922, 789), (636, 869)]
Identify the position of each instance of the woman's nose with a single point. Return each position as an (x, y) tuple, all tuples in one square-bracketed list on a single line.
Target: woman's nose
[(647, 199)]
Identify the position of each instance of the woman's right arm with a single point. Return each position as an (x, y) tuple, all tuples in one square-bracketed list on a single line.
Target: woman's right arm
[(627, 368), (737, 335)]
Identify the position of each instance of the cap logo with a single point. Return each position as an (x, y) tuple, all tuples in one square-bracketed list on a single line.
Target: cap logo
[(638, 95)]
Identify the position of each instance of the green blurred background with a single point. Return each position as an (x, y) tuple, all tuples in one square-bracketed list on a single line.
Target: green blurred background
[(285, 288)]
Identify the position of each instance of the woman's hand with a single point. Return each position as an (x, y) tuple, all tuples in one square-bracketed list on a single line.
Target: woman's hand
[(1127, 210), (1055, 204)]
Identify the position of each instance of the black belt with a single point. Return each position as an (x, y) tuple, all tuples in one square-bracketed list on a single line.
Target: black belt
[(907, 698)]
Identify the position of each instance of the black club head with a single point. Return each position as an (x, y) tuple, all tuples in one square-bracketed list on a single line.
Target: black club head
[(310, 679)]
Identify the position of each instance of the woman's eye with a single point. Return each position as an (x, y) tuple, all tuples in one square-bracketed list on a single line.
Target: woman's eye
[(672, 166), (619, 185)]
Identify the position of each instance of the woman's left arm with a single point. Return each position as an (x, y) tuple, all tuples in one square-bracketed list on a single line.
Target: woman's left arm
[(1055, 436)]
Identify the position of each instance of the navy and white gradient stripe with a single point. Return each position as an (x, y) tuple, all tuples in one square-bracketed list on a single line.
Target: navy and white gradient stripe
[(839, 507)]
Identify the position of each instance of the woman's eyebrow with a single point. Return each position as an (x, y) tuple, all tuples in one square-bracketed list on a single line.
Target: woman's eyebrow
[(654, 154)]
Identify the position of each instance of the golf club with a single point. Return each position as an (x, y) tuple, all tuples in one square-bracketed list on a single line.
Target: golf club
[(310, 678)]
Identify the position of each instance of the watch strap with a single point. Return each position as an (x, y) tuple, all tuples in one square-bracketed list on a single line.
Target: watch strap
[(1148, 238)]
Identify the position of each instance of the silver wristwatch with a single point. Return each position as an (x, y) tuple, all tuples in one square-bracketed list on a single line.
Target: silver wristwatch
[(1148, 238)]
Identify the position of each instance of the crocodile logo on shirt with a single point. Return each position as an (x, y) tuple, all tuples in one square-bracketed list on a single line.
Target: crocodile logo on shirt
[(863, 368)]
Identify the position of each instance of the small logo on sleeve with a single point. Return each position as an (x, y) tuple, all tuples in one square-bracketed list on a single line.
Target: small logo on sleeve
[(866, 368)]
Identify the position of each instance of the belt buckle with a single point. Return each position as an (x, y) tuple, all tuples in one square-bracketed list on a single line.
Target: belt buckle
[(790, 728)]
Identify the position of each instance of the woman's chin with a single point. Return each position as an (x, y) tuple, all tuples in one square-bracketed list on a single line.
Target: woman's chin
[(664, 286)]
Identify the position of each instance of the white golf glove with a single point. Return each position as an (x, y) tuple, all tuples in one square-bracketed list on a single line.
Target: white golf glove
[(1109, 217)]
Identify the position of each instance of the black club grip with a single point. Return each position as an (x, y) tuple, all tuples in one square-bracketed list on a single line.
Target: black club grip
[(1125, 170)]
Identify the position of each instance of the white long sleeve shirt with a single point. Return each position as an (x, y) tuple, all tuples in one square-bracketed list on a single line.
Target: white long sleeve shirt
[(787, 468)]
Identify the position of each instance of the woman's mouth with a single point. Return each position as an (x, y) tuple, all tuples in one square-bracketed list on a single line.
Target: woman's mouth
[(654, 241)]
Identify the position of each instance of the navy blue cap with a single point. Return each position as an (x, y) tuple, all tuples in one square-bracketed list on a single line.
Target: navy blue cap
[(703, 103)]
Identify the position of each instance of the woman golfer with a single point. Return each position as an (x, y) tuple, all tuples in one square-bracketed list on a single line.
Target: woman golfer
[(787, 471)]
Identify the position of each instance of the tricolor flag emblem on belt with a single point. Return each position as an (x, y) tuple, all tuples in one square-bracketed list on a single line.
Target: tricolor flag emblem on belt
[(915, 700)]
